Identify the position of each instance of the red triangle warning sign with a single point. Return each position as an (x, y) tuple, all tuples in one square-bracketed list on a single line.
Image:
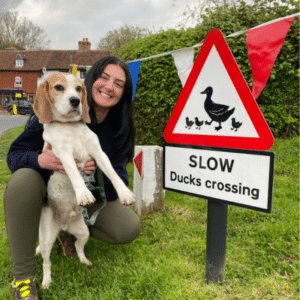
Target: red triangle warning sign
[(138, 160), (216, 107)]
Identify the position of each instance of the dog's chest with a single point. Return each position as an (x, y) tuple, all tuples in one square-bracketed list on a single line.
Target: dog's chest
[(80, 149), (72, 138)]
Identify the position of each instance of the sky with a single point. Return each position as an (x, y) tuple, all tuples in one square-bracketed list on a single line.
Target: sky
[(66, 22)]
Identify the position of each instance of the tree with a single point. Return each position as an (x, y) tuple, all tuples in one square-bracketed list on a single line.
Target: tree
[(21, 32), (263, 9), (119, 37)]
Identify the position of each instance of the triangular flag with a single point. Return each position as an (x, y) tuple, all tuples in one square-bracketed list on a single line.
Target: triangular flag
[(184, 60), (134, 70), (264, 44)]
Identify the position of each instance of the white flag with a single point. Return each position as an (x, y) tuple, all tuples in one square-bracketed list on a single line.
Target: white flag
[(184, 60)]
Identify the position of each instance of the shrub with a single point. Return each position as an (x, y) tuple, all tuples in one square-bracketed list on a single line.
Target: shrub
[(159, 86)]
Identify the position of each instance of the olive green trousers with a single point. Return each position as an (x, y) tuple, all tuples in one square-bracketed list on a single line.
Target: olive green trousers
[(23, 200)]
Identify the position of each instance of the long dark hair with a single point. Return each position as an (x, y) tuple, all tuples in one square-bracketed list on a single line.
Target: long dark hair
[(120, 116)]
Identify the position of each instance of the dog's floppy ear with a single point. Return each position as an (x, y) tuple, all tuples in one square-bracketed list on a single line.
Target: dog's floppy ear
[(85, 106), (42, 104)]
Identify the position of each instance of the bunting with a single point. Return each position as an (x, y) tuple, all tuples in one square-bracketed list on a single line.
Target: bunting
[(184, 60), (263, 43), (134, 70)]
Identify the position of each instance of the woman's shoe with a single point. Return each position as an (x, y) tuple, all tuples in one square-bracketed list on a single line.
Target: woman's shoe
[(25, 289)]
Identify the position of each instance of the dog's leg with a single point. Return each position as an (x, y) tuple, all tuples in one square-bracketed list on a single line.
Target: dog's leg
[(48, 231), (103, 162), (80, 230), (83, 195)]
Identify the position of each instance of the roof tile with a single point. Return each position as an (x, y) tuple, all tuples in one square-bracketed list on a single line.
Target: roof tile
[(50, 59)]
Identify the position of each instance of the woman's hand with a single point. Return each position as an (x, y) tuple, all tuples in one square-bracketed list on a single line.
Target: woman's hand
[(48, 160), (89, 166)]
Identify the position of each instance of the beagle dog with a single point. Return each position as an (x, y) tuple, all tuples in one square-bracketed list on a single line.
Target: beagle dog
[(61, 106)]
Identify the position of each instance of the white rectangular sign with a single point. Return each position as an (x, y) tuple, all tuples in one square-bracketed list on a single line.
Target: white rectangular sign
[(238, 177)]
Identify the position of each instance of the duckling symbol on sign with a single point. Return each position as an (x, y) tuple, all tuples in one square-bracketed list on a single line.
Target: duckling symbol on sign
[(216, 107)]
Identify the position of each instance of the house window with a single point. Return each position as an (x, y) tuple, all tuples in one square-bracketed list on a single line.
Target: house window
[(19, 63), (82, 74)]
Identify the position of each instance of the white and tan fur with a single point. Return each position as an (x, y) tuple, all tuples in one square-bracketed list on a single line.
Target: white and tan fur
[(61, 106)]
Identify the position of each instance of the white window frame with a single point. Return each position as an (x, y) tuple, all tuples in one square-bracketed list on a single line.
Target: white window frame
[(19, 63)]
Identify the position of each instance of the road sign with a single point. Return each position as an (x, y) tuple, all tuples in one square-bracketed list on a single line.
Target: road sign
[(233, 176), (18, 81), (216, 107), (138, 161)]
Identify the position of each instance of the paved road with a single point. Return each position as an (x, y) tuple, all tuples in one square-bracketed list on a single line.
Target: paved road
[(9, 121)]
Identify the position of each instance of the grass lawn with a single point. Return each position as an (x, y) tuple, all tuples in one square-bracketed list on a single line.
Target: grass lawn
[(167, 261)]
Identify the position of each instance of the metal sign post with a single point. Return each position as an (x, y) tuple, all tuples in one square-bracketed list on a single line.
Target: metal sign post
[(223, 176), (216, 240)]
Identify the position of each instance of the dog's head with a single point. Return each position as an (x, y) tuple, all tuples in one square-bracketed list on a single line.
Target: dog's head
[(61, 97)]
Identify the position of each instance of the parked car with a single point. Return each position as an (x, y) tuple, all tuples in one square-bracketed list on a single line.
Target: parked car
[(23, 107)]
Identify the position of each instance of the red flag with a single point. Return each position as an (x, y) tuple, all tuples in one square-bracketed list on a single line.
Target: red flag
[(264, 44)]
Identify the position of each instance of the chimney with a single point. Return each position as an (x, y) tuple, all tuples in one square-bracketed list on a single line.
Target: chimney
[(87, 44), (84, 45)]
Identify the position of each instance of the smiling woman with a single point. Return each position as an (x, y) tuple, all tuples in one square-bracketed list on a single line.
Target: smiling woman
[(109, 94), (108, 89), (110, 78)]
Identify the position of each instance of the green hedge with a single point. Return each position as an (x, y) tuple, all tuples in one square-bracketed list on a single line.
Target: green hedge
[(159, 86)]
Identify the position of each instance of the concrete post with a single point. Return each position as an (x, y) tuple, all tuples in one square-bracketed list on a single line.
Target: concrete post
[(148, 179)]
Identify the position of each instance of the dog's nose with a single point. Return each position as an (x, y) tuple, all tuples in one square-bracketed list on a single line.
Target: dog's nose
[(74, 101)]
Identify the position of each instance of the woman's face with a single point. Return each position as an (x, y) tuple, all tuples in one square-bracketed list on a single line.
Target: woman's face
[(108, 89)]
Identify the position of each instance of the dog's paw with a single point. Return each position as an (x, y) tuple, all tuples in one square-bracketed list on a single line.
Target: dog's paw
[(85, 198), (86, 261), (83, 259), (126, 196), (46, 282)]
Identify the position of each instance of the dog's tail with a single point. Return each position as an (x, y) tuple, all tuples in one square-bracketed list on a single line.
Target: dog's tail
[(38, 250)]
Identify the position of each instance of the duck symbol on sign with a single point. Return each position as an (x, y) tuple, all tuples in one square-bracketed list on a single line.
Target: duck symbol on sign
[(189, 123), (235, 125), (198, 123), (219, 113)]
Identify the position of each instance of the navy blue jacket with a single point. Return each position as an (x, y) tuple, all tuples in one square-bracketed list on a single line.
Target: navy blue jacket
[(24, 151)]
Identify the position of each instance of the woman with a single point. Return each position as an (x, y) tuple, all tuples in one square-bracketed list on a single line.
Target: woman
[(109, 93)]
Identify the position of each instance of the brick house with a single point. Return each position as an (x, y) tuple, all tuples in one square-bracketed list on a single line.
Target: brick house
[(29, 66)]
